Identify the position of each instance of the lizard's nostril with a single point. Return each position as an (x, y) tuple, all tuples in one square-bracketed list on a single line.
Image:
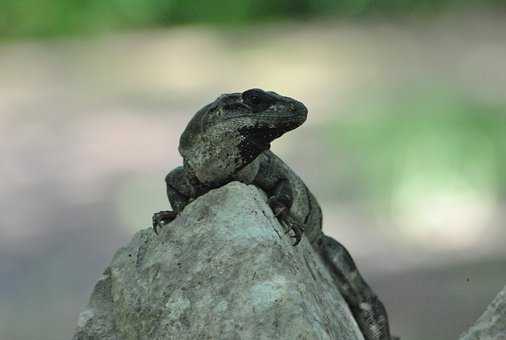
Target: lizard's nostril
[(298, 108)]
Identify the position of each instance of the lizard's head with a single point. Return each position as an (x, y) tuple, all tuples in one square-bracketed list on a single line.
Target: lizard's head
[(232, 131)]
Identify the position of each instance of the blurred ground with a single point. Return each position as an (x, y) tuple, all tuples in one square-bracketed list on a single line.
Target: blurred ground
[(404, 147)]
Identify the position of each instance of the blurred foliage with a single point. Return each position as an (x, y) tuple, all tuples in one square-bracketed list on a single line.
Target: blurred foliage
[(434, 140), (21, 18)]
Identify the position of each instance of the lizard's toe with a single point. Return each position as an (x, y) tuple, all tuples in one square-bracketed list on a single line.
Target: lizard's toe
[(297, 232), (162, 218), (278, 207), (281, 211)]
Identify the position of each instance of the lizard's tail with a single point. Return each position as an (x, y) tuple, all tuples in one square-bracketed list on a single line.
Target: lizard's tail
[(365, 306)]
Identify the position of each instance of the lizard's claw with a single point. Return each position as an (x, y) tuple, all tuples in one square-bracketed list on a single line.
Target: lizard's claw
[(278, 208), (281, 211), (297, 229), (162, 218)]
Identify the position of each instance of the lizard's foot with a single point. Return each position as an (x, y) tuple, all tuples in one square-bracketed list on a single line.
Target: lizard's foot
[(297, 230), (162, 218), (281, 211)]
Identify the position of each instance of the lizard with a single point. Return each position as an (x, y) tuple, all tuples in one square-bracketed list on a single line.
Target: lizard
[(229, 140)]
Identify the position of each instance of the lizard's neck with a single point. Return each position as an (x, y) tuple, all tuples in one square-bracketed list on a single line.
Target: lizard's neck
[(246, 174), (216, 156)]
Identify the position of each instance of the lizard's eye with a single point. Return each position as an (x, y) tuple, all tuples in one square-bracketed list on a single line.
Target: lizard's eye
[(257, 99), (254, 99), (253, 96)]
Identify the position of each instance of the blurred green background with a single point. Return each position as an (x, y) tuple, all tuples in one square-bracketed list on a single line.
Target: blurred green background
[(35, 18), (404, 145)]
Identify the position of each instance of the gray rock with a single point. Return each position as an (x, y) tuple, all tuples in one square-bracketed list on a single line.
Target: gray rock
[(492, 324), (224, 269)]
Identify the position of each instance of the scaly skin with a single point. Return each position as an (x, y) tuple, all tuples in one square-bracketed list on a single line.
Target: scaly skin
[(229, 140)]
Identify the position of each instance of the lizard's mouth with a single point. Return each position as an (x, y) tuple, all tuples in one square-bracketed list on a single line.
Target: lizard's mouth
[(276, 124), (293, 115), (282, 118)]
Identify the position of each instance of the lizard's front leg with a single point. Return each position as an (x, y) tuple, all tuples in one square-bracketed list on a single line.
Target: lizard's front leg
[(280, 203), (179, 192)]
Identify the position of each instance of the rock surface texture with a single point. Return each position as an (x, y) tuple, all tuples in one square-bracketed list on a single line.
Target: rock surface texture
[(224, 269), (492, 324)]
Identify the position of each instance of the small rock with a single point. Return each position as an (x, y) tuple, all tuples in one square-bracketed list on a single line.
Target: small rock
[(492, 324)]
